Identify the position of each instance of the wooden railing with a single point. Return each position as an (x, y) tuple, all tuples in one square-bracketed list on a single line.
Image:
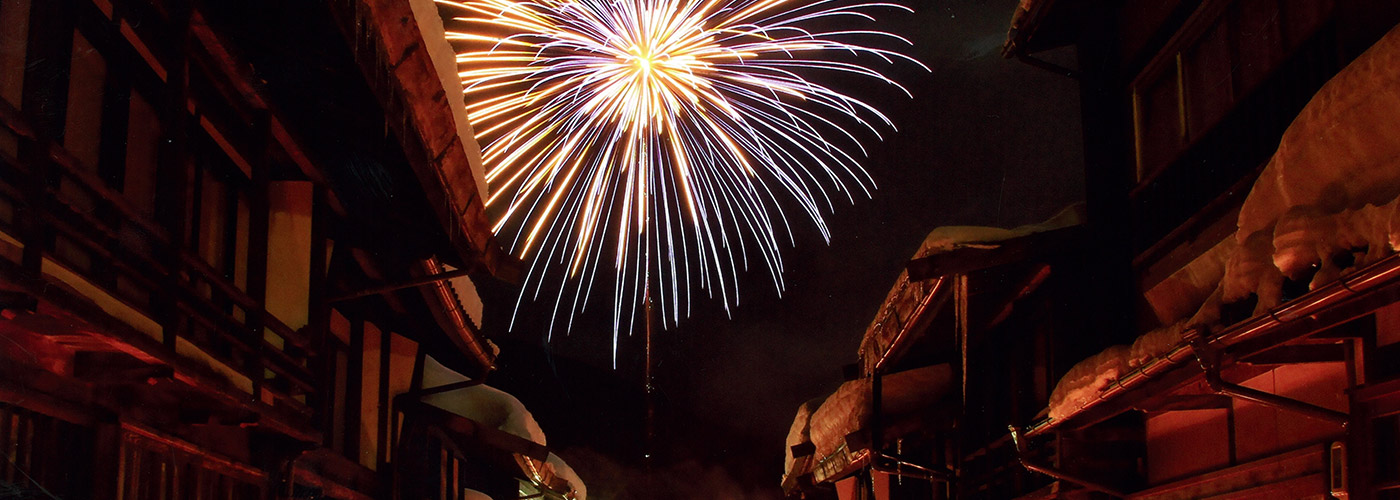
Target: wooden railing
[(68, 216)]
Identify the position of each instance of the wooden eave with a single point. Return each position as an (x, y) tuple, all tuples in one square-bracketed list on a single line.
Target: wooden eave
[(1039, 25), (389, 46)]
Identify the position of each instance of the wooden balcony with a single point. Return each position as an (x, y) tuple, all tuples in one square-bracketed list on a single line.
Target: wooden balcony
[(91, 277)]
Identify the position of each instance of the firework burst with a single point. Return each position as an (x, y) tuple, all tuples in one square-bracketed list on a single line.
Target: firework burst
[(657, 139)]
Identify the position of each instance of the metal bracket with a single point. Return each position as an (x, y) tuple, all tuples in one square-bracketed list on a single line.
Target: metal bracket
[(1209, 359), (415, 282)]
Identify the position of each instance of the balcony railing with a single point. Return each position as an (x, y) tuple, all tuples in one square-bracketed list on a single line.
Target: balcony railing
[(71, 229)]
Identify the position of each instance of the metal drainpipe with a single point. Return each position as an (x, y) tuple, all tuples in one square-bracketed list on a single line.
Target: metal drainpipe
[(1056, 473), (456, 317)]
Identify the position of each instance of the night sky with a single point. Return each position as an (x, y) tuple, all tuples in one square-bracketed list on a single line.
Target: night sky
[(984, 141)]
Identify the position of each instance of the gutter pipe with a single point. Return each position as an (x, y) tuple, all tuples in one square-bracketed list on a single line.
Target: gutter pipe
[(1380, 273), (461, 330)]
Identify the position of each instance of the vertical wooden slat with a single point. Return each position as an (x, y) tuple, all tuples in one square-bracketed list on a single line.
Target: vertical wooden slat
[(201, 482), (456, 478), (353, 380), (173, 167), (7, 442), (45, 97), (133, 470), (181, 480), (46, 450), (150, 474), (444, 478), (123, 469), (385, 347), (25, 459), (193, 482), (167, 468), (258, 213), (323, 399)]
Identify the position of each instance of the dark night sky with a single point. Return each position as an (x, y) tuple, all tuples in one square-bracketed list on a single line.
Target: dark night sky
[(985, 141)]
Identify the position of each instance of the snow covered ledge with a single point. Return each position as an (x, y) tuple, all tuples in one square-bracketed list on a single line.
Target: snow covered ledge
[(493, 407)]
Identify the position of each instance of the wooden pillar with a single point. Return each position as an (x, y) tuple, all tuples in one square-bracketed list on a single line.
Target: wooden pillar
[(322, 401), (258, 213), (49, 56), (173, 169)]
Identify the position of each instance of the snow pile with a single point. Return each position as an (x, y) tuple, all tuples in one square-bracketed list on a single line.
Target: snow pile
[(904, 296), (1307, 239), (1154, 343), (493, 407), (847, 410), (799, 432), (471, 494), (948, 238), (1086, 379), (556, 467), (1181, 294), (1343, 149)]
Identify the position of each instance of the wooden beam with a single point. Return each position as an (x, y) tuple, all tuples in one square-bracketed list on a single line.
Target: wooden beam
[(239, 77)]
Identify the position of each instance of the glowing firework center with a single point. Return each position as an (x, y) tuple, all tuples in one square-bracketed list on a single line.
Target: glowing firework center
[(658, 137)]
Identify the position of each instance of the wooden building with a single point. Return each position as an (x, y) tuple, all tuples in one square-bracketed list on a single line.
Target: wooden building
[(1222, 325), (239, 249)]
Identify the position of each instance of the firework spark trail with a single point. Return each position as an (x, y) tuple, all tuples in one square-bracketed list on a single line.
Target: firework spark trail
[(659, 137)]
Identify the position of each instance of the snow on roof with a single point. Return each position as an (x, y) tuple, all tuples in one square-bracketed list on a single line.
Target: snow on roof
[(482, 403), (799, 432), (906, 294), (904, 395), (496, 408)]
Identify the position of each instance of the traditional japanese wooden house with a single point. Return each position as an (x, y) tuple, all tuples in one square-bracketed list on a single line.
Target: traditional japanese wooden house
[(1224, 324), (239, 250)]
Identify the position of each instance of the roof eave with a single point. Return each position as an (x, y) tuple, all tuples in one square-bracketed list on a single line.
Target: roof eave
[(406, 61)]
